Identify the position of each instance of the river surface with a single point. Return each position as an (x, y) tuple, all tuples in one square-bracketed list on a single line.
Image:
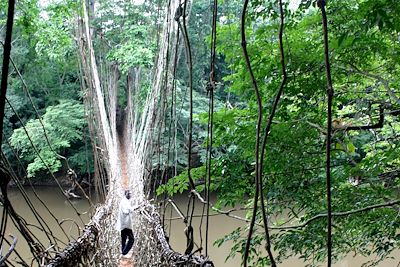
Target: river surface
[(219, 226)]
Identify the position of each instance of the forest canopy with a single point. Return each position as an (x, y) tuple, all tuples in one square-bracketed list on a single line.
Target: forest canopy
[(46, 101)]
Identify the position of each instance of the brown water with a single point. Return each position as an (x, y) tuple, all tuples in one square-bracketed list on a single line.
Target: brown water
[(59, 207), (219, 226)]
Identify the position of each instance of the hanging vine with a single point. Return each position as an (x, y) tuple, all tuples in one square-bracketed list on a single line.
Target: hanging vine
[(258, 130), (260, 150), (321, 4), (3, 91), (211, 89)]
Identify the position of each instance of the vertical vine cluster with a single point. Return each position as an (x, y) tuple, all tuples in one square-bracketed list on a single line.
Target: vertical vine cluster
[(260, 149)]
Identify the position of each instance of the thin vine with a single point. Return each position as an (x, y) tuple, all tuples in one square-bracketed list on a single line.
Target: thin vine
[(321, 4), (256, 193)]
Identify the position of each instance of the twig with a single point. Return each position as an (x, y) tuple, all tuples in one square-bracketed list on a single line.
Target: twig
[(73, 222), (10, 250), (212, 87), (190, 68), (316, 217), (224, 212), (3, 92), (177, 209)]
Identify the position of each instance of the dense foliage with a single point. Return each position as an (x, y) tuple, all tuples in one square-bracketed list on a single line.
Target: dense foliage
[(364, 41), (44, 93), (60, 128)]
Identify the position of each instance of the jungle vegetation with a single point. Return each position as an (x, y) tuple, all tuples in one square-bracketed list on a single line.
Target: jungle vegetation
[(364, 52)]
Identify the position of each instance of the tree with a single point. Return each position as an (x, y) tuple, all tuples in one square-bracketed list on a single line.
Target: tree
[(365, 159), (60, 128), (44, 70)]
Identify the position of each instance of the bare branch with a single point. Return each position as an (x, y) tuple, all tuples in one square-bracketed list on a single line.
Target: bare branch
[(10, 250), (339, 214), (177, 209), (223, 212)]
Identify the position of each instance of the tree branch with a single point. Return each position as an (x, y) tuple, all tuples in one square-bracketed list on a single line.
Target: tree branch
[(384, 82), (224, 212), (338, 214), (10, 250), (378, 125)]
